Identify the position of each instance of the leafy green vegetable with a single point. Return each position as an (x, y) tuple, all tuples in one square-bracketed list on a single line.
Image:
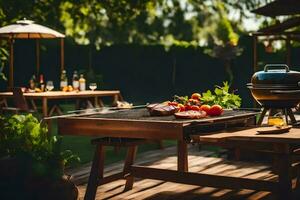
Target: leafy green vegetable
[(181, 99), (222, 96), (23, 136)]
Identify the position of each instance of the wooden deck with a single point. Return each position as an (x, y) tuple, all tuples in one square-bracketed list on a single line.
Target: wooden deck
[(199, 161)]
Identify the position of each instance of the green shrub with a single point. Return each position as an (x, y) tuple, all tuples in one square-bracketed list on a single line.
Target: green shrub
[(25, 138)]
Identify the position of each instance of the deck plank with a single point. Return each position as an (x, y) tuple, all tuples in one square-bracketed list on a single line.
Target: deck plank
[(199, 161)]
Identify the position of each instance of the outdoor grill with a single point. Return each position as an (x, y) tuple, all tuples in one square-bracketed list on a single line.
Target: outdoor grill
[(142, 114), (143, 123), (277, 87)]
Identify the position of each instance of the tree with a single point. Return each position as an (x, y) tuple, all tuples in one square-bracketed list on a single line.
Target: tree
[(145, 21), (167, 22)]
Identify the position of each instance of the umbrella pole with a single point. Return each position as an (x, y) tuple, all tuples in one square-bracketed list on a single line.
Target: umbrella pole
[(37, 57), (62, 56), (255, 67), (288, 50), (11, 64)]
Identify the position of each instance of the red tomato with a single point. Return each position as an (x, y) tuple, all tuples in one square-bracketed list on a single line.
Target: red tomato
[(215, 110), (196, 96), (187, 107), (205, 108), (193, 107), (181, 107)]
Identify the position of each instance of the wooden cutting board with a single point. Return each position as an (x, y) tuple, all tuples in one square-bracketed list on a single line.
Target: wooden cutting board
[(273, 130)]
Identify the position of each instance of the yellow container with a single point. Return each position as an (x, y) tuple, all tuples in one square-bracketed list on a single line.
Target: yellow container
[(276, 121)]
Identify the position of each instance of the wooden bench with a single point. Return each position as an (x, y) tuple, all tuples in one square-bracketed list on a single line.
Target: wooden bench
[(281, 147), (97, 176)]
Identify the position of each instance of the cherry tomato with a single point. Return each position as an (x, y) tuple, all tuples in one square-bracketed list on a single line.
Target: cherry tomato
[(187, 107), (194, 107), (215, 110), (196, 96), (181, 107), (205, 108)]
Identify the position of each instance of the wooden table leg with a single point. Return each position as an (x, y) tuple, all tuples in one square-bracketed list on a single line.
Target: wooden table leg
[(3, 102), (115, 99), (96, 173), (45, 107), (182, 156), (120, 97), (284, 175), (285, 182), (33, 105), (96, 102), (100, 102), (131, 153), (46, 113), (77, 104)]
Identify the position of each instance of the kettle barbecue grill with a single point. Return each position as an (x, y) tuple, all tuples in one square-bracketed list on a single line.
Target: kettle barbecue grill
[(276, 87)]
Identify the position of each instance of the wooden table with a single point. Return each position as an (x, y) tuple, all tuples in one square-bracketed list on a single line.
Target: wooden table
[(137, 123), (56, 95), (281, 146)]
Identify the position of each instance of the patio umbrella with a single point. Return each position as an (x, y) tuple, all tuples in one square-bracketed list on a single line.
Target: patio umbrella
[(279, 7), (27, 29)]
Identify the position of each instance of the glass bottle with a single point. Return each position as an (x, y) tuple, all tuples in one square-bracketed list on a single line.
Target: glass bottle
[(42, 83), (82, 83), (32, 83), (63, 79), (75, 81)]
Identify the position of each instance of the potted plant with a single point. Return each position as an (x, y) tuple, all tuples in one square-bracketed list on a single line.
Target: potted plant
[(32, 163)]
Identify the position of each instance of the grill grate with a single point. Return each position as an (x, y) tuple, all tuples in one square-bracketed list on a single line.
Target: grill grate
[(143, 114)]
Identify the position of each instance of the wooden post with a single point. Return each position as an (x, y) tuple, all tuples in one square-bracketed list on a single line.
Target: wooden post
[(255, 67), (37, 49), (62, 56), (11, 64), (288, 50)]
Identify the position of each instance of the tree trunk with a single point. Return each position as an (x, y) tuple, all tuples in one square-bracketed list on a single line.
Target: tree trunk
[(174, 72), (227, 65)]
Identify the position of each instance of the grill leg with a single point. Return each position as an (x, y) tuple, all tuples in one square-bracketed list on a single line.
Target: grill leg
[(262, 115), (286, 115), (291, 115)]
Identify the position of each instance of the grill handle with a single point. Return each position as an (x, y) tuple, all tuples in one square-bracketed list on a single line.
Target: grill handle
[(287, 69), (285, 91)]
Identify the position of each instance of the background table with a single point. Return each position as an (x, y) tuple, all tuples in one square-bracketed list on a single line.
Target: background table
[(55, 95)]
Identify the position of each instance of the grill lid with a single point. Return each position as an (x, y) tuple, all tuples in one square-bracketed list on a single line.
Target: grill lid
[(276, 75)]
